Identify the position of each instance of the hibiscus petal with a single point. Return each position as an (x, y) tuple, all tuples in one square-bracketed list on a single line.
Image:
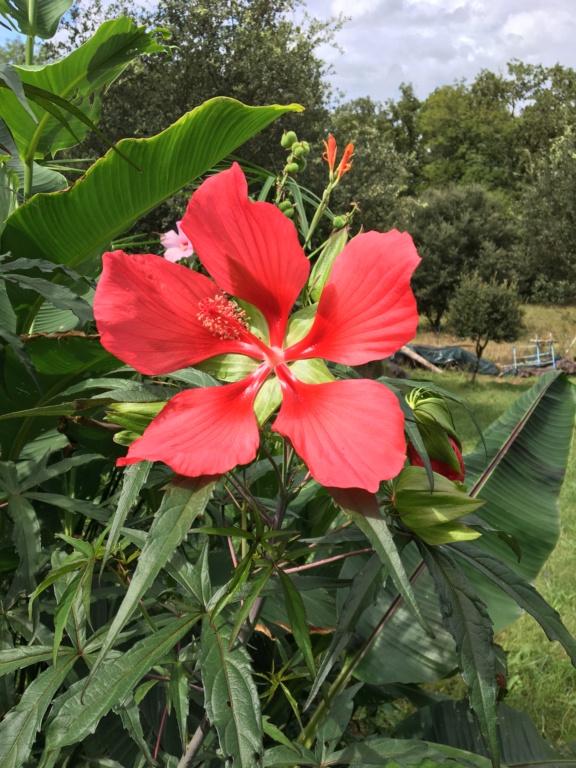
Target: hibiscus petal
[(350, 433), (251, 249), (204, 431), (367, 310), (146, 311)]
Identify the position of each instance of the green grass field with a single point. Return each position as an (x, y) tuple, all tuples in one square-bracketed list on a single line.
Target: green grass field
[(541, 680)]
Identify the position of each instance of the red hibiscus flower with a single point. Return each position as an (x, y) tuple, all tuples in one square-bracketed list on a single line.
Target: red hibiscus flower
[(159, 317)]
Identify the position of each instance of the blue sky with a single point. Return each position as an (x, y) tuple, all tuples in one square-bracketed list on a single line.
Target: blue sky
[(435, 42)]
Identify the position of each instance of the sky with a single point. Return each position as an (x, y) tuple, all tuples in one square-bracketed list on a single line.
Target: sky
[(431, 43)]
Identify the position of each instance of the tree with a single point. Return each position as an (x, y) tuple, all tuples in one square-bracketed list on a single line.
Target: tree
[(547, 213), (485, 311), (468, 138), (457, 230), (379, 175)]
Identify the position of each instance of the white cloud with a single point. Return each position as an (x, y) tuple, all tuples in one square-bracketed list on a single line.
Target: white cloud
[(435, 42)]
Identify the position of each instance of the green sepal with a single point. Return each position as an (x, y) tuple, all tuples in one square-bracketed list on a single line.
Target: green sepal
[(256, 321), (267, 400), (299, 324), (438, 446), (447, 533), (432, 410), (323, 266), (229, 367), (313, 371), (134, 417), (420, 508)]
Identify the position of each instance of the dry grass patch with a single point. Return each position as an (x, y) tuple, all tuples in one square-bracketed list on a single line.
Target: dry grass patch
[(539, 320)]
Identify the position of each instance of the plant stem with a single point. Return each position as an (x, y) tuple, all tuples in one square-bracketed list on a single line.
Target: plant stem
[(195, 743)]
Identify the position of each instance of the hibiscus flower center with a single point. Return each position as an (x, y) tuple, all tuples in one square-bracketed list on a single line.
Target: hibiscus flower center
[(222, 317)]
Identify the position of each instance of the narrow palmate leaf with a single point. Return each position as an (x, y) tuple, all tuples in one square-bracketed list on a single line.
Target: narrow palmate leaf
[(230, 695), (134, 478), (376, 530), (181, 505), (467, 620), (26, 538), (19, 727), (283, 757), (521, 591), (130, 716), (361, 593), (25, 655), (58, 295), (297, 618), (336, 722), (79, 710), (76, 226)]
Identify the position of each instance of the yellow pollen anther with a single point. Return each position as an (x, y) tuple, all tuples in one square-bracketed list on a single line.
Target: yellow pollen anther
[(222, 317)]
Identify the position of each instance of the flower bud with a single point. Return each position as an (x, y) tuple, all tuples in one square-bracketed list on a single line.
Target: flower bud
[(289, 212), (339, 222), (305, 147), (288, 139), (301, 163), (298, 150), (292, 168), (441, 467), (285, 205)]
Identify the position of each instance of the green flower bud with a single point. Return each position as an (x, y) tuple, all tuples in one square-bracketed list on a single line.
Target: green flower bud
[(298, 150), (285, 205), (339, 222), (292, 168), (289, 212), (301, 163), (305, 147), (288, 139)]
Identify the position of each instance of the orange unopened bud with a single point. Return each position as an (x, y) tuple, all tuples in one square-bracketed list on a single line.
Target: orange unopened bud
[(330, 154), (346, 162)]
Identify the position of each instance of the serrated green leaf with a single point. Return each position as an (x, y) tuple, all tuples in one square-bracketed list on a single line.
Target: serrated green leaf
[(181, 505), (297, 618), (19, 727), (130, 716), (467, 619), (521, 591), (335, 723), (26, 538), (134, 478), (376, 530), (74, 227), (81, 708), (58, 295), (77, 590), (178, 688), (25, 655), (231, 698), (361, 593), (283, 757)]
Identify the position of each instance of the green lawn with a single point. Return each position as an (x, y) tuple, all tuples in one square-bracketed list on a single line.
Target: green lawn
[(541, 680)]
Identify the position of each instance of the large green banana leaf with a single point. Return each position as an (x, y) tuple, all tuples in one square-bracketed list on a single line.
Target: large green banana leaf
[(79, 77), (520, 477), (74, 227), (48, 15)]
